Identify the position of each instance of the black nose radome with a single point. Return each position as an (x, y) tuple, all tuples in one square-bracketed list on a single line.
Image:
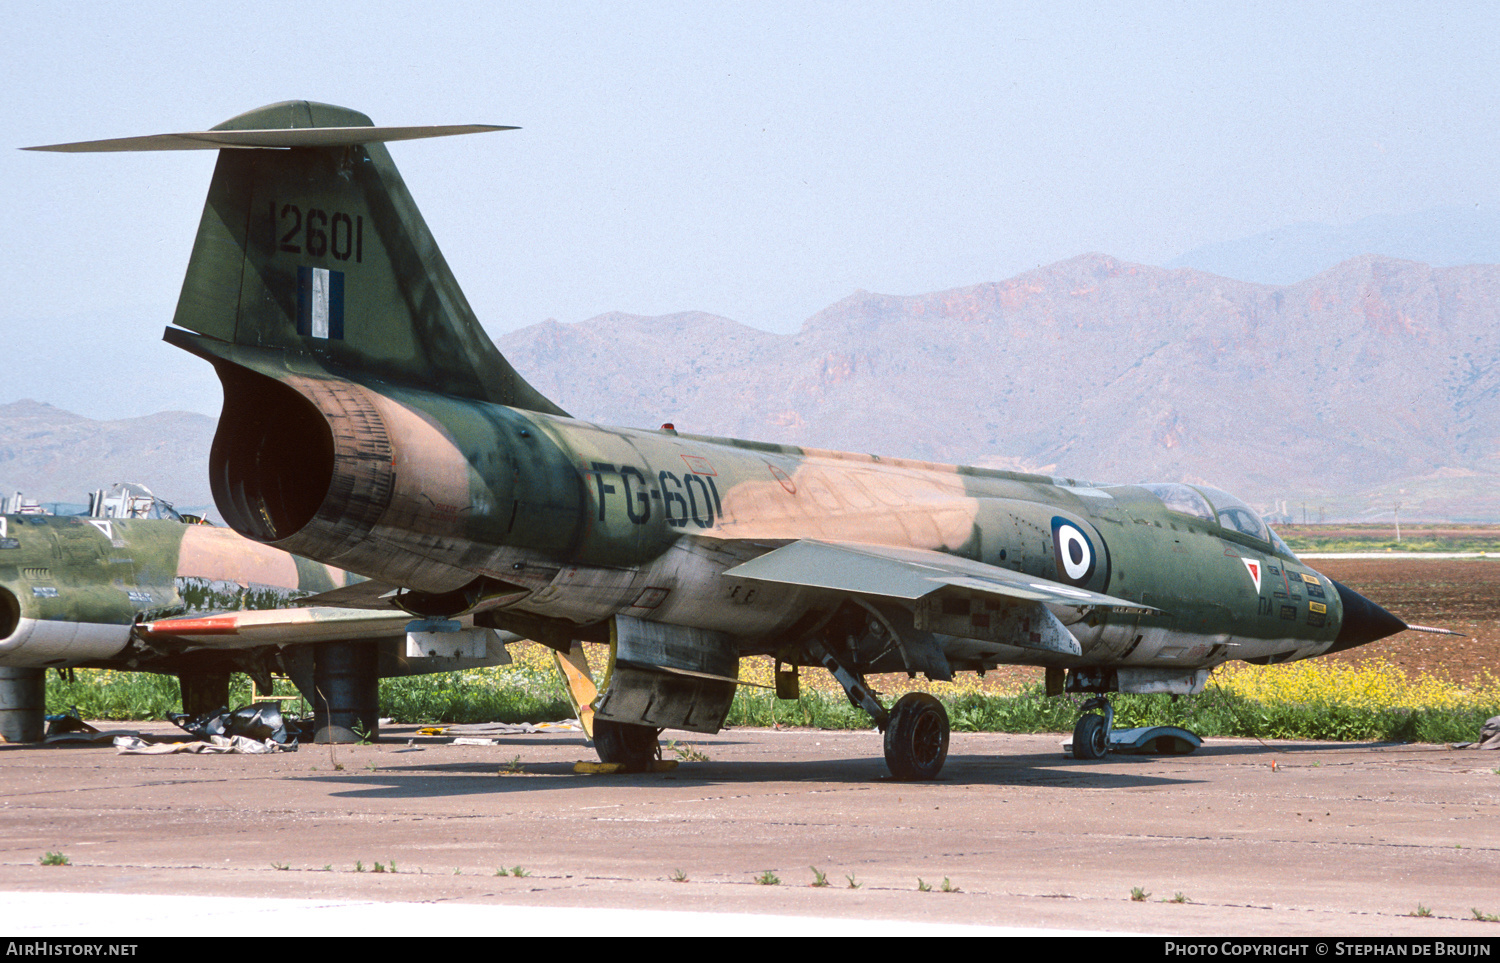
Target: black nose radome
[(1364, 621)]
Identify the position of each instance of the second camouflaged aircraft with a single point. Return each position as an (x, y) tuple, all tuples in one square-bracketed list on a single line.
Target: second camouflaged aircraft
[(132, 585), (370, 423)]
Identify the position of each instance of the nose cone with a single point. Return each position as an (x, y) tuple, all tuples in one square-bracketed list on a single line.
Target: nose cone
[(1364, 621)]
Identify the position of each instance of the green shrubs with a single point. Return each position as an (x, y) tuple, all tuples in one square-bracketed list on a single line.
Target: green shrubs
[(479, 695)]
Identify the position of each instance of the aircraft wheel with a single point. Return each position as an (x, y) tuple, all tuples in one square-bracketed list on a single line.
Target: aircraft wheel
[(1090, 737), (631, 745), (916, 737)]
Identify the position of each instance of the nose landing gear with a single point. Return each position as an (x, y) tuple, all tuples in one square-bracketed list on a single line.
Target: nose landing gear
[(1091, 734)]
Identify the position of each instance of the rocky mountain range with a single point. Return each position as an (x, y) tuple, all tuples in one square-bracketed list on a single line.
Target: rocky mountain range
[(1373, 383), (49, 454)]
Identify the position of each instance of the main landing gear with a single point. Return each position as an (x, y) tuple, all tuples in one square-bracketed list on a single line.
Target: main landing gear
[(916, 737), (633, 746), (1091, 734), (916, 728)]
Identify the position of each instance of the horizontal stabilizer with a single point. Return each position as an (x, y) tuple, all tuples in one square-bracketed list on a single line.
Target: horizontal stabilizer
[(274, 138), (911, 573)]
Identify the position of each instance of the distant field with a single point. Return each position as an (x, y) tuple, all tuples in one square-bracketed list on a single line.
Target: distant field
[(1382, 537), (1458, 594)]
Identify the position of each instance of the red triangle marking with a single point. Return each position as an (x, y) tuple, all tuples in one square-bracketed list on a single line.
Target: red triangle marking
[(1252, 565)]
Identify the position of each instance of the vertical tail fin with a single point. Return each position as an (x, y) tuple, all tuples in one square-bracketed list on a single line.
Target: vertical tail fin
[(311, 243)]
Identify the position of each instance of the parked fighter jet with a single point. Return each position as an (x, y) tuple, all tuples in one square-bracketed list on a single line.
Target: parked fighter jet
[(370, 423), (134, 585)]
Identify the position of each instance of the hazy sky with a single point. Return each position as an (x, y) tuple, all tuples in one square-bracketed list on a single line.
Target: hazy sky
[(755, 160)]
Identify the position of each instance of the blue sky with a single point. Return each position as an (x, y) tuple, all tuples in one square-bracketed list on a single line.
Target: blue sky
[(755, 160)]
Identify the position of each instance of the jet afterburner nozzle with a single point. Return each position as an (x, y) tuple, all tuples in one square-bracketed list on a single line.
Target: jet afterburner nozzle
[(1364, 621)]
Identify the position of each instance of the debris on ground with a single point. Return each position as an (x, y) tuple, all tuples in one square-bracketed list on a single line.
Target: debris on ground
[(253, 729), (239, 745), (487, 733), (90, 736), (70, 721), (260, 721), (69, 729)]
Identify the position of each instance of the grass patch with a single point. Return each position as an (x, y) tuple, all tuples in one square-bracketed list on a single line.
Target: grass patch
[(107, 694), (497, 694)]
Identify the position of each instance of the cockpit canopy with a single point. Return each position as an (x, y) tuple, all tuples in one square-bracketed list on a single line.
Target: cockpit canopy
[(129, 500), (1217, 507)]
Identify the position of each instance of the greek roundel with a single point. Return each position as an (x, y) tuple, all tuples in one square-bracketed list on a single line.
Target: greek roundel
[(1077, 558)]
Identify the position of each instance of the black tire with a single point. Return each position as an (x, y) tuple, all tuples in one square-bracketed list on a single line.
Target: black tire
[(1090, 738), (916, 737), (631, 745)]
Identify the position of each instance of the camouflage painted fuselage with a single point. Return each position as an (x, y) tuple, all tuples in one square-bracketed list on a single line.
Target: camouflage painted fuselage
[(468, 504)]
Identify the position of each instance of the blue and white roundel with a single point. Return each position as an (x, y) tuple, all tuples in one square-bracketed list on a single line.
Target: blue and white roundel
[(1076, 557)]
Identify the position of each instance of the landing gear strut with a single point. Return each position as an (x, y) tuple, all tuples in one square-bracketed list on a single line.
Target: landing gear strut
[(23, 705), (346, 686), (204, 690), (1091, 734), (916, 729)]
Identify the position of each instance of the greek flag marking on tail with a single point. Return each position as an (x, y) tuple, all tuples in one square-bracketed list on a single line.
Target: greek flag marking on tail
[(320, 303)]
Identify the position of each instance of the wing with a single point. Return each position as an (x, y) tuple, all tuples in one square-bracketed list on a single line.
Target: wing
[(911, 573), (381, 597), (1027, 617), (365, 594)]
